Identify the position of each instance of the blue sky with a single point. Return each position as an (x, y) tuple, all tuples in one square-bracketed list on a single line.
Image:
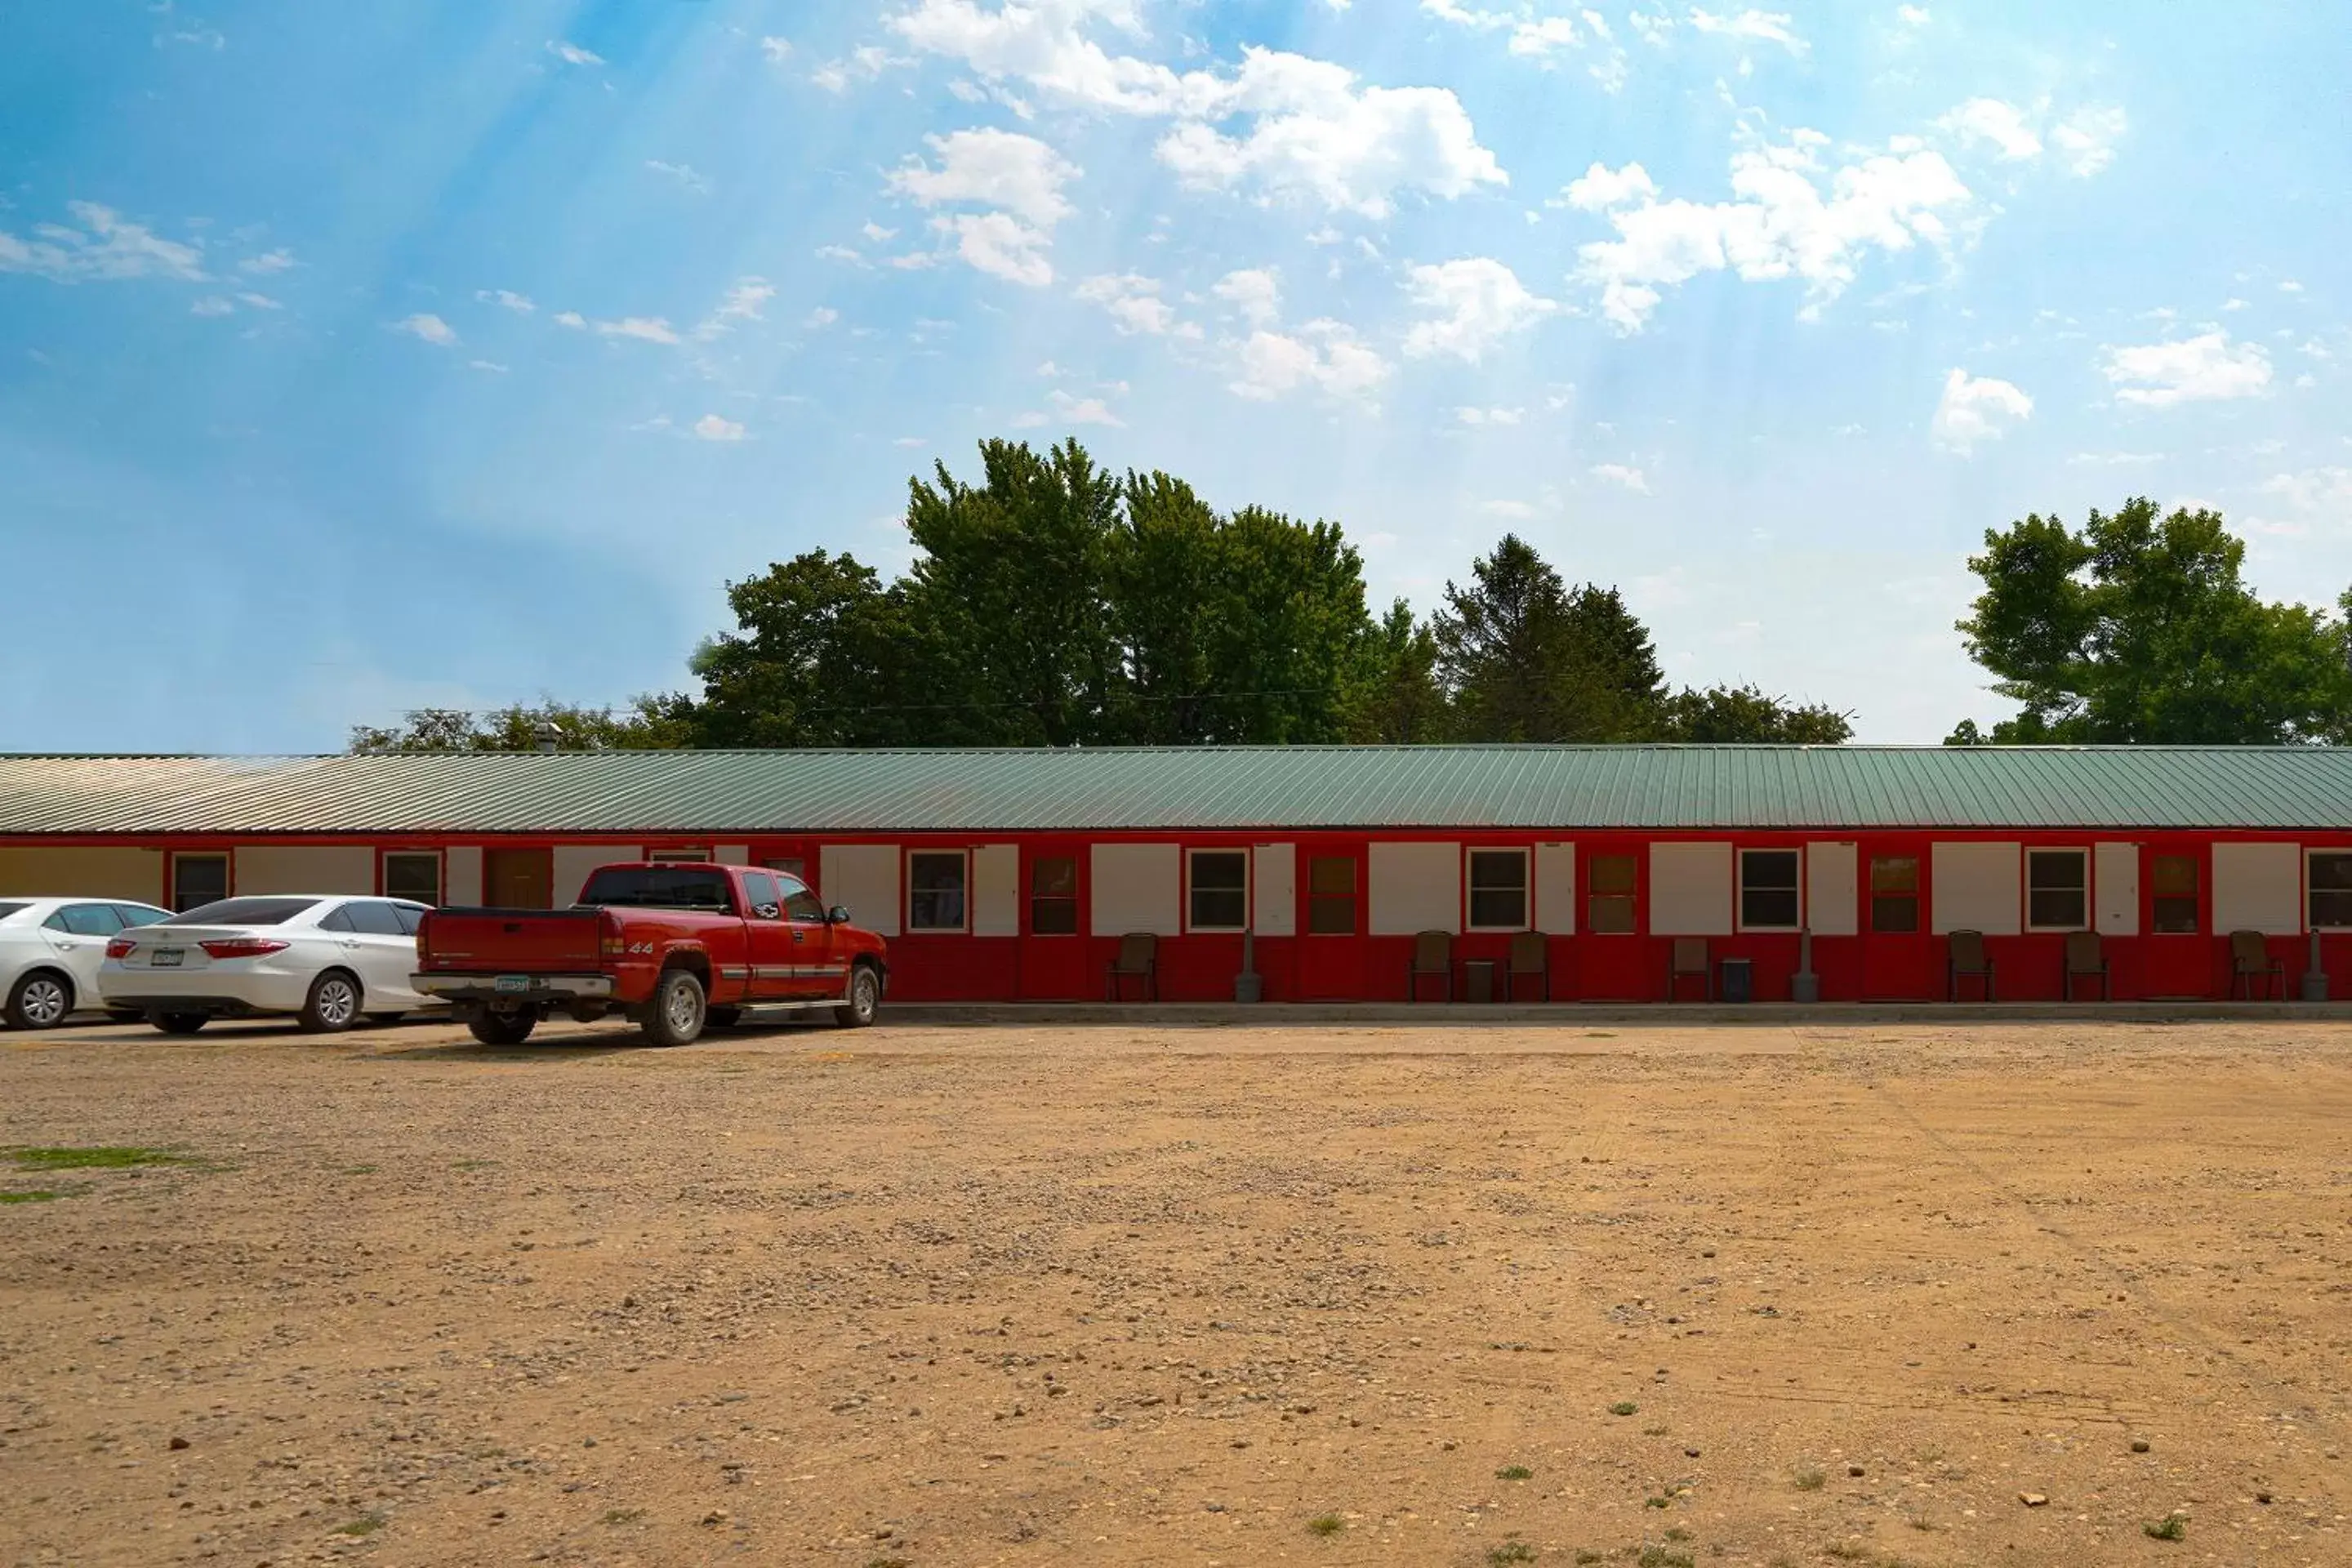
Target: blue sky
[(353, 359)]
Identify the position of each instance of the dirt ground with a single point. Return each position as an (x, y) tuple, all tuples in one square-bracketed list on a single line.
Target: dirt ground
[(933, 1296)]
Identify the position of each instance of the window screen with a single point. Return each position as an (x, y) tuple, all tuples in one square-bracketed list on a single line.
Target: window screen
[(1498, 890), (2331, 890), (2174, 880), (198, 879), (1331, 895), (1609, 894), (1054, 895), (416, 877), (1220, 889), (1893, 894), (935, 886), (2057, 890), (1767, 889)]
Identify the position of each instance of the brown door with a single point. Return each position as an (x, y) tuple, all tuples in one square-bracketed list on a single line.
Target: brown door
[(519, 878)]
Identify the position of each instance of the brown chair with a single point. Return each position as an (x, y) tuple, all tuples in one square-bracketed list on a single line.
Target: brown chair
[(1967, 958), (1530, 954), (1432, 953), (2084, 956), (1689, 959), (1138, 959), (2251, 960)]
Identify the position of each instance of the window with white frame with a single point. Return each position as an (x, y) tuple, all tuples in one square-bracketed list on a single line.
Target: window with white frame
[(1216, 890), (678, 855), (2330, 886), (1767, 889), (936, 882), (1498, 890), (2057, 890), (415, 875)]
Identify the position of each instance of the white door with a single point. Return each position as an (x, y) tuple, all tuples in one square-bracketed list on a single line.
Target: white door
[(78, 934), (383, 953)]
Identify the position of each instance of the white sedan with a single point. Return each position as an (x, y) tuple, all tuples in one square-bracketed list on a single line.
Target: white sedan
[(325, 959), (50, 950)]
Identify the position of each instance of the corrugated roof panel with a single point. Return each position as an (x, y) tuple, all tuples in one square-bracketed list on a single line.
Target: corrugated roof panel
[(1447, 787)]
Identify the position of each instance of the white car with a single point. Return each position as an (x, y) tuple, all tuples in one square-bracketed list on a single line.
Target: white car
[(325, 959), (50, 950)]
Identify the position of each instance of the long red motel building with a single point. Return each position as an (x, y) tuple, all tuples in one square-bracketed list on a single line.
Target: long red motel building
[(1016, 875)]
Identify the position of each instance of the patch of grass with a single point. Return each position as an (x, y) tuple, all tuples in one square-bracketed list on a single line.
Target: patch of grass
[(1809, 1479), (100, 1158), (472, 1164), (1678, 1533), (37, 1195), (1660, 1501), (887, 1563), (1846, 1550), (1653, 1431), (623, 1515), (1585, 1557), (1514, 1473), (1326, 1524), (1623, 1407), (2171, 1527), (1659, 1557), (366, 1524), (1508, 1553), (358, 1170)]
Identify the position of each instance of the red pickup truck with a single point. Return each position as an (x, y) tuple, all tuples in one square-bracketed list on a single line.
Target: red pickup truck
[(670, 946)]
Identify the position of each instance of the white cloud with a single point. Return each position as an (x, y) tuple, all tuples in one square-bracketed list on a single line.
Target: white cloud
[(776, 50), (211, 305), (1323, 354), (491, 365), (1760, 26), (520, 304), (260, 302), (570, 319), (572, 54), (862, 64), (1469, 305), (1255, 291), (2316, 494), (683, 173), (1977, 409), (2086, 139), (1631, 479), (1134, 305), (1484, 416), (740, 303), (103, 248), (1913, 16), (711, 427), (2234, 304), (2203, 369), (277, 260), (2290, 287), (823, 316), (1085, 411), (999, 245), (998, 169), (1791, 218), (877, 234), (1992, 120), (1601, 188), (842, 253), (646, 328), (431, 328), (1540, 37), (1029, 421), (1516, 509), (909, 441)]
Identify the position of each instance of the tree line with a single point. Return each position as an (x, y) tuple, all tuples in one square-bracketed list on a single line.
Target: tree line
[(1053, 603)]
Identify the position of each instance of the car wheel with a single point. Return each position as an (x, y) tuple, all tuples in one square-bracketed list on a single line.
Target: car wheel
[(676, 1015), (502, 1029), (332, 1005), (40, 1000), (864, 998), (179, 1023)]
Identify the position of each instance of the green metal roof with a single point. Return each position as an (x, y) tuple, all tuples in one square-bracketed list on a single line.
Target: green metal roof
[(719, 793)]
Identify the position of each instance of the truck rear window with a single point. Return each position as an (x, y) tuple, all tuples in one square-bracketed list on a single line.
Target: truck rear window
[(658, 888)]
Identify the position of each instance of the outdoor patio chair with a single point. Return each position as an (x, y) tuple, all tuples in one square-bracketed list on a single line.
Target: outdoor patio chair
[(1689, 959), (1432, 953), (2084, 956), (1530, 954), (1967, 958), (2251, 960), (1138, 959)]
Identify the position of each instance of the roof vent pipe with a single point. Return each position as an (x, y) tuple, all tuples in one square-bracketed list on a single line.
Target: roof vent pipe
[(546, 735)]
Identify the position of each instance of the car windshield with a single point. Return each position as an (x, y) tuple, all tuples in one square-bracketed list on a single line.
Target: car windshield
[(658, 887), (243, 913)]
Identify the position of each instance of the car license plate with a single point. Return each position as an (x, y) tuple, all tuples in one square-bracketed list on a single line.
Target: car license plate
[(166, 957), (512, 982)]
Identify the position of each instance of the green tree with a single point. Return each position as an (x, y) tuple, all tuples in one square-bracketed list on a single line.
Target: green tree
[(1744, 715), (1526, 659), (650, 723), (2140, 629), (1397, 699), (823, 655)]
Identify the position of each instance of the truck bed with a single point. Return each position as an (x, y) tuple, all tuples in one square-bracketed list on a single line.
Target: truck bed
[(496, 940)]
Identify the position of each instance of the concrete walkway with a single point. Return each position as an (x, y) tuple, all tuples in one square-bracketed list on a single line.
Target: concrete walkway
[(1582, 1015)]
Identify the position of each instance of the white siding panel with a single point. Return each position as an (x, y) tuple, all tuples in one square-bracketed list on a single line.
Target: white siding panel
[(91, 872), (863, 877), (997, 890), (2115, 888), (573, 862), (731, 854), (304, 869), (2258, 887), (1833, 889), (1274, 874), (1976, 886), (1137, 888), (1416, 888), (461, 875), (1690, 890), (1555, 910)]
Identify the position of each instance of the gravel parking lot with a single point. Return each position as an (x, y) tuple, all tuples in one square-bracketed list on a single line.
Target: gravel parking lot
[(1315, 1293)]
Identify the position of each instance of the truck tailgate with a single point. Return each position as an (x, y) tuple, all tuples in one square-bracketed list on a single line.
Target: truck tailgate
[(511, 942)]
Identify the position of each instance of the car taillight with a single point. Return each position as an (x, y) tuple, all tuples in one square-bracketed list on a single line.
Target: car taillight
[(613, 945), (242, 947), (121, 947)]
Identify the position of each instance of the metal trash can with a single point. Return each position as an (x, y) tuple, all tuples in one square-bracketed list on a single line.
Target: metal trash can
[(1738, 979), (1478, 980)]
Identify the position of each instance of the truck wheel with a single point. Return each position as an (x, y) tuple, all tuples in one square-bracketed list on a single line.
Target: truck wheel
[(39, 1001), (502, 1029), (676, 1016), (332, 1005), (178, 1023), (864, 998)]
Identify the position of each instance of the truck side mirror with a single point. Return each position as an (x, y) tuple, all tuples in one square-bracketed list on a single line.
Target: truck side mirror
[(837, 915)]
